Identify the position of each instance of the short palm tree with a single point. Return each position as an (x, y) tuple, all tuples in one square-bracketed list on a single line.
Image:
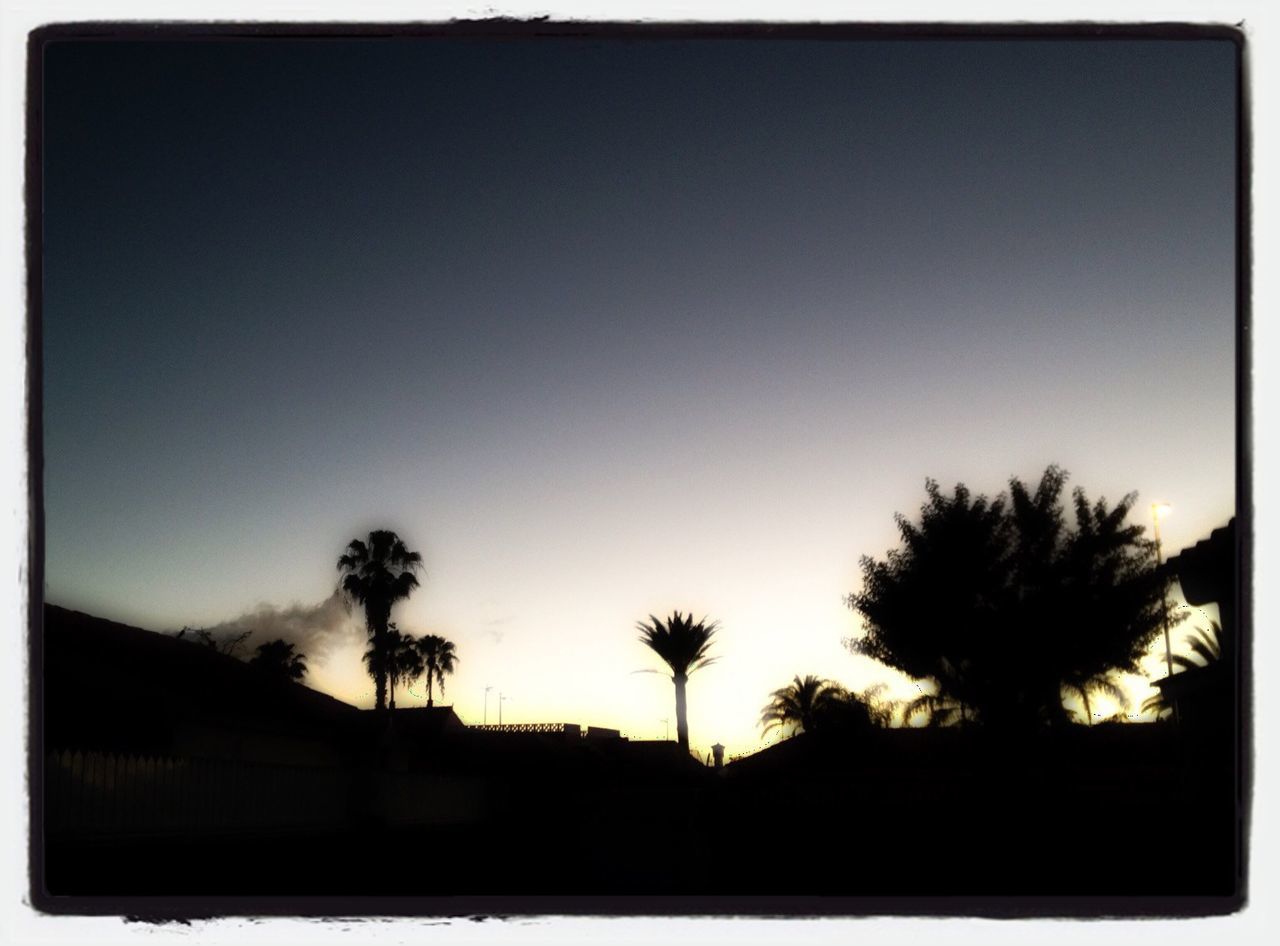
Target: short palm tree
[(938, 710), (1096, 684), (880, 710), (1206, 645), (403, 662), (375, 574), (279, 659), (438, 659), (682, 644), (802, 704)]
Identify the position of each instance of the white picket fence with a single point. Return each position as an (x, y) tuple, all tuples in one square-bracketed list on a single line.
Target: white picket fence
[(115, 795), (107, 793)]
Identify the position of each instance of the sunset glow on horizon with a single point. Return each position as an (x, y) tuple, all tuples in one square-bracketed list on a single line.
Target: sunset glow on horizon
[(607, 330)]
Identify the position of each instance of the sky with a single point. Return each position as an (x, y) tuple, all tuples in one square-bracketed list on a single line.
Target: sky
[(609, 329)]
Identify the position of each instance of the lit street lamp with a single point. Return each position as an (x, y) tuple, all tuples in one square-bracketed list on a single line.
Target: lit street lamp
[(1158, 510)]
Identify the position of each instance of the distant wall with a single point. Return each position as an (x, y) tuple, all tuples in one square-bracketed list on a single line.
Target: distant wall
[(565, 729)]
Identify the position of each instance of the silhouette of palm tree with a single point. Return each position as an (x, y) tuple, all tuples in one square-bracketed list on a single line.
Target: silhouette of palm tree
[(279, 659), (802, 703), (1096, 684), (880, 711), (376, 574), (938, 710), (682, 645), (404, 664), (438, 658), (1206, 645)]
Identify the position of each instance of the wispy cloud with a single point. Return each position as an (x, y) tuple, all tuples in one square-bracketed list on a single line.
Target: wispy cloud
[(315, 630), (493, 627)]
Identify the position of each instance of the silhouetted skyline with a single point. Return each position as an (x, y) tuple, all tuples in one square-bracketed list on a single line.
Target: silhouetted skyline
[(609, 329)]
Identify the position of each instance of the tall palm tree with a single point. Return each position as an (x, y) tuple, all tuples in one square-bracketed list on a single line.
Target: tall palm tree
[(375, 574), (802, 703), (682, 645), (438, 658)]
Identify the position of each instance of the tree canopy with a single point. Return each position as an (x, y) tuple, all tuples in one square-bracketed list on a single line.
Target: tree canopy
[(1004, 605)]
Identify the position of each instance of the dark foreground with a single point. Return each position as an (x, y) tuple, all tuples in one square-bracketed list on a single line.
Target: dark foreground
[(1011, 829), (176, 782)]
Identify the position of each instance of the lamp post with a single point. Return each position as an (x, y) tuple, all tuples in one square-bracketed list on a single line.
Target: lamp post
[(1159, 509), (501, 699), (666, 729), (486, 705)]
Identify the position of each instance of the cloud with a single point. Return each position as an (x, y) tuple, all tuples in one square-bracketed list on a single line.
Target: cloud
[(492, 628), (314, 630)]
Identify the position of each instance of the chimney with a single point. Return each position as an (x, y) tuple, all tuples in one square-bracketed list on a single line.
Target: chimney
[(718, 752)]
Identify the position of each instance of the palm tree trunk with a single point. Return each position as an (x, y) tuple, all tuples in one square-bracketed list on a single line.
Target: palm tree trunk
[(392, 690), (380, 674), (430, 702), (682, 717), (1088, 714)]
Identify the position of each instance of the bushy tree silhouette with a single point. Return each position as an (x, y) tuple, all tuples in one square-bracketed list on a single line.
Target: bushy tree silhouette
[(438, 657), (682, 644), (279, 659), (1003, 606), (375, 574)]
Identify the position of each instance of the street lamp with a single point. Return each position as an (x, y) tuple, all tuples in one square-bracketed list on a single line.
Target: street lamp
[(486, 705), (666, 729), (501, 699), (1158, 511)]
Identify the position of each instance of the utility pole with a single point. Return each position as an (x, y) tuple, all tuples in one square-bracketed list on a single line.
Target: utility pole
[(1159, 509)]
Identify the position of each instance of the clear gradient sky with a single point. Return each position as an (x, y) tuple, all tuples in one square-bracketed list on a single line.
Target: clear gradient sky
[(607, 329)]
